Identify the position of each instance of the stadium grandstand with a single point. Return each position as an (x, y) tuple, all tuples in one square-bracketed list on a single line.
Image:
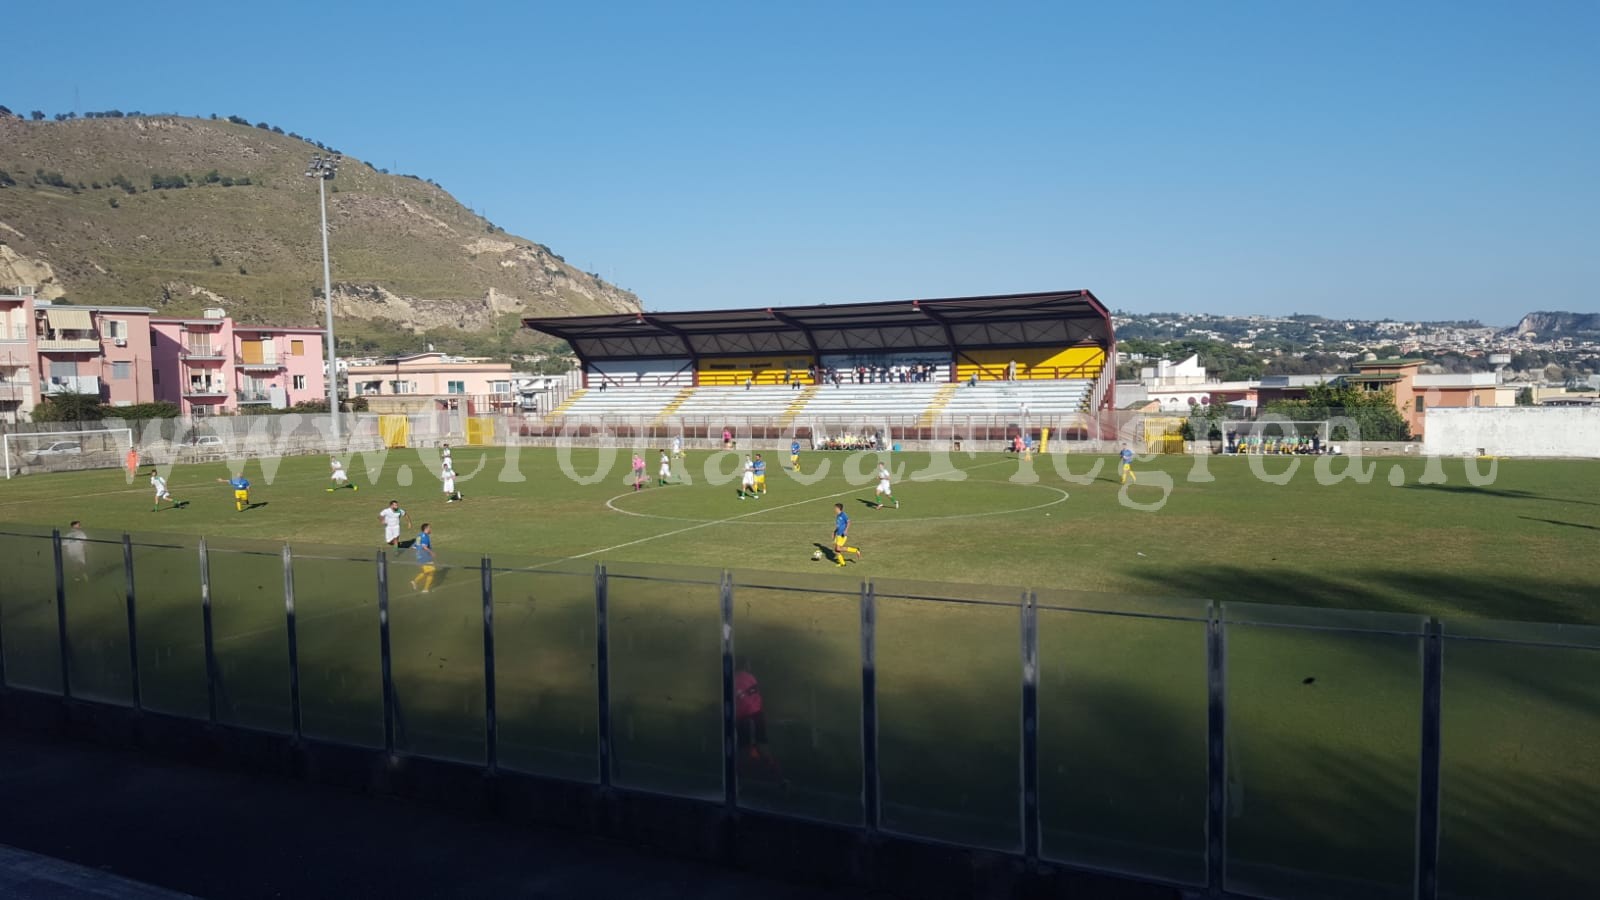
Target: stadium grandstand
[(980, 368)]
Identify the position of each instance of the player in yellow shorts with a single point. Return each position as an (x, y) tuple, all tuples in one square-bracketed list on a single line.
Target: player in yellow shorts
[(760, 466), (794, 455), (423, 548), (841, 536), (1127, 465), (241, 491)]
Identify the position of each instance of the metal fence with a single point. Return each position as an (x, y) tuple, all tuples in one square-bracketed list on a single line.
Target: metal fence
[(1246, 749)]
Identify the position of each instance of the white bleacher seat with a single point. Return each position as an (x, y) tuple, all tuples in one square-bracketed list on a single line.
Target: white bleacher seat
[(644, 402), (762, 401)]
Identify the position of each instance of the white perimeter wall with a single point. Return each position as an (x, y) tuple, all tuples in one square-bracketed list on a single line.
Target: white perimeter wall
[(1513, 431)]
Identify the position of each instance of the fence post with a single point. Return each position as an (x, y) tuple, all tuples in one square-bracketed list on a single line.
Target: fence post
[(730, 738), (205, 625), (1427, 887), (491, 725), (1216, 753), (61, 614), (1030, 726), (869, 708), (602, 675), (294, 642), (133, 624), (383, 653)]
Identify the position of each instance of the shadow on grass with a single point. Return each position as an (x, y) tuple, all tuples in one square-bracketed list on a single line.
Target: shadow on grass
[(1485, 491), (1559, 522)]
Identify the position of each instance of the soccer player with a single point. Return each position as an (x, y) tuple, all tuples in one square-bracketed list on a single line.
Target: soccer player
[(75, 550), (665, 474), (241, 491), (638, 472), (424, 550), (747, 482), (337, 476), (444, 453), (131, 462), (1127, 465), (882, 492), (677, 446), (759, 467), (392, 515), (447, 474), (841, 536), (159, 485), (794, 455)]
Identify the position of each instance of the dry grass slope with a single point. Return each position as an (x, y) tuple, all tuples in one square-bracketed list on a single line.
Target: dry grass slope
[(408, 257)]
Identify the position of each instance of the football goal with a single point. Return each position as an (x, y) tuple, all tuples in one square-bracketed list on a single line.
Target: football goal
[(56, 451)]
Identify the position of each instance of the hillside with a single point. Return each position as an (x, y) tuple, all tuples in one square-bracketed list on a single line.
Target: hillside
[(1553, 325), (179, 214)]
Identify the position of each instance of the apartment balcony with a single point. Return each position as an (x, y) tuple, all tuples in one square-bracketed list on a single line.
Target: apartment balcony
[(69, 345), (253, 396), (265, 365), (72, 384), (17, 334), (205, 392), (203, 354)]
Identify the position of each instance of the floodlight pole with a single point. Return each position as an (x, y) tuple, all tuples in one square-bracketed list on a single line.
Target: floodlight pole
[(323, 170)]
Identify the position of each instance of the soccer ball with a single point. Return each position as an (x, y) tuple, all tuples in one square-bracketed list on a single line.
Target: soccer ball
[(817, 555)]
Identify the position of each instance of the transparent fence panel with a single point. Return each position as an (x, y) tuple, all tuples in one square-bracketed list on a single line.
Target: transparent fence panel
[(171, 623), (336, 627), (1520, 764), (97, 618), (546, 696), (666, 679), (800, 638), (28, 611), (950, 712), (249, 635), (436, 646), (1324, 732), (1122, 734)]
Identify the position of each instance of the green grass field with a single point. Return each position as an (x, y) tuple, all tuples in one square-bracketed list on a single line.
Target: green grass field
[(1322, 774)]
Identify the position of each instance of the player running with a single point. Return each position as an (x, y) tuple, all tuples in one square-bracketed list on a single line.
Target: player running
[(841, 536), (424, 550), (241, 491), (794, 455), (337, 476), (392, 515), (447, 475), (159, 485), (882, 493), (638, 473), (747, 481), (759, 468), (665, 473), (677, 446), (1127, 465)]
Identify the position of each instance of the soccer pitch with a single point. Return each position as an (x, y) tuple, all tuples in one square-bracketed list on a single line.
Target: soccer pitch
[(1322, 773), (1519, 547)]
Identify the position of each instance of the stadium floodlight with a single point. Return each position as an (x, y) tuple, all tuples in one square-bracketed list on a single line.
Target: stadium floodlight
[(323, 169)]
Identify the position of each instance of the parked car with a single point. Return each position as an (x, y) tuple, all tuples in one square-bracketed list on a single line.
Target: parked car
[(208, 442), (60, 448)]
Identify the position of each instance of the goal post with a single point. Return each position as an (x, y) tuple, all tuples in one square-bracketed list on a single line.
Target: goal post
[(58, 451)]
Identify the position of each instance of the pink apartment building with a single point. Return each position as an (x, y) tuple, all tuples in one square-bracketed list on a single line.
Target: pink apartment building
[(99, 350), (429, 374), (19, 355), (210, 365)]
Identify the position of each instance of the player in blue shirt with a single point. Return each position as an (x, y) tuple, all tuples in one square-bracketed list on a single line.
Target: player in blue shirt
[(841, 536), (241, 491), (794, 454), (423, 548), (760, 466), (1127, 465)]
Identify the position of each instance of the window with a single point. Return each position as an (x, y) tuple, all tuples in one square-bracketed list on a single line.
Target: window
[(299, 380), (250, 352), (457, 387), (1419, 404), (116, 328), (121, 371), (1475, 399), (63, 369), (297, 348), (499, 387)]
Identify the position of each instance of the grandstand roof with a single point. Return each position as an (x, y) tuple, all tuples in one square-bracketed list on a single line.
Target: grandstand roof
[(1057, 318)]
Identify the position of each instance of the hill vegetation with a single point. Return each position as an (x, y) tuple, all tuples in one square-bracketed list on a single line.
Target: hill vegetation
[(180, 213)]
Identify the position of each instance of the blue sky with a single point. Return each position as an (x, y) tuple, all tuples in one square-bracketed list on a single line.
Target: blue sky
[(1416, 160)]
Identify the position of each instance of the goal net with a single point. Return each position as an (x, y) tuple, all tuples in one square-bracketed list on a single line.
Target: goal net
[(61, 451)]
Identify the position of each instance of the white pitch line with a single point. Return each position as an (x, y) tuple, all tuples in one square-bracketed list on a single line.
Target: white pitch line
[(747, 515)]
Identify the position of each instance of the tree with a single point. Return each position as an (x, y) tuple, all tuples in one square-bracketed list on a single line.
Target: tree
[(67, 407), (1373, 413), (36, 115), (1525, 397)]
